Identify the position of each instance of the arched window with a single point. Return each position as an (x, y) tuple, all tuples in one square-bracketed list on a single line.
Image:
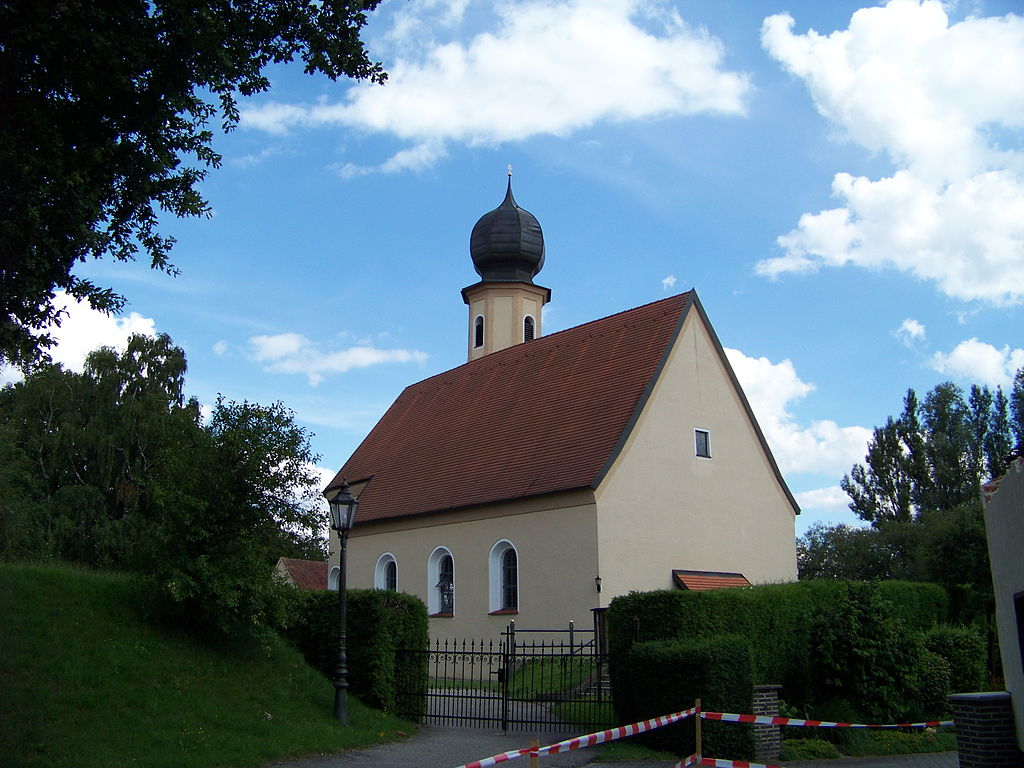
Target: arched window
[(332, 579), (385, 574), (441, 583), (503, 569), (528, 328), (478, 331)]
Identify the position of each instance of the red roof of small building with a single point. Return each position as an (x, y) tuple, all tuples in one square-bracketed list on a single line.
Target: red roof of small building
[(305, 574), (545, 416), (702, 580)]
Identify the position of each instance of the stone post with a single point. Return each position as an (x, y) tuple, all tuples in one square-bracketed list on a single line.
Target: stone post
[(985, 735)]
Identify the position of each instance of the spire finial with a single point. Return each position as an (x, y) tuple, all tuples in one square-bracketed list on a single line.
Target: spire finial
[(510, 170)]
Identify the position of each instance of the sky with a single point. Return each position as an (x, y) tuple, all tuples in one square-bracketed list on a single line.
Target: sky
[(842, 184)]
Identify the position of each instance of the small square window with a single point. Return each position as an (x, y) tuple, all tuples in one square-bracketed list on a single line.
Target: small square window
[(702, 443)]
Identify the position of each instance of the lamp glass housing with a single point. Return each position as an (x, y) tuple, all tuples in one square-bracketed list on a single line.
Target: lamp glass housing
[(343, 509)]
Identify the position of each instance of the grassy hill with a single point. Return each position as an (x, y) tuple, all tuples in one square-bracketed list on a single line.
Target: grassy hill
[(86, 680)]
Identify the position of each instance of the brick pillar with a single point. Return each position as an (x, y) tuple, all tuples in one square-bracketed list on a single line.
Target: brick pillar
[(767, 738), (985, 734)]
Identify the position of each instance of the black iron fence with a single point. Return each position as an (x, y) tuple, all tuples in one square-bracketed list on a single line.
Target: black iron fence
[(519, 682)]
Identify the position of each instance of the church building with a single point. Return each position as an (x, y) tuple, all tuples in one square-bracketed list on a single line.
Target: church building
[(549, 474)]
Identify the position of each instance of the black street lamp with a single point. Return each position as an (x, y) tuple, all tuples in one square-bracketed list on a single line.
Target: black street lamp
[(343, 516)]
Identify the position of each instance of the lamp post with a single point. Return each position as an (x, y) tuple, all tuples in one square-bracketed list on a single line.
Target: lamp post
[(343, 516)]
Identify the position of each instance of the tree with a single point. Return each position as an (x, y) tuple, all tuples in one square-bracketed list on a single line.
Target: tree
[(96, 441), (107, 109), (998, 442), (935, 455), (843, 552), (919, 490), (1017, 411), (251, 500), (113, 467)]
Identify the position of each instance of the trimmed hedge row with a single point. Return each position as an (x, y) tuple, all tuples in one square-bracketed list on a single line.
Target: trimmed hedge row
[(825, 642), (716, 670), (380, 623)]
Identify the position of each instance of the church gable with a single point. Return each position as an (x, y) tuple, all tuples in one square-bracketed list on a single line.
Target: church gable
[(696, 470)]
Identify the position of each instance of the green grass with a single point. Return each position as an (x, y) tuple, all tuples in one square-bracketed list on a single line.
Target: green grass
[(88, 682), (541, 676), (857, 743), (627, 749)]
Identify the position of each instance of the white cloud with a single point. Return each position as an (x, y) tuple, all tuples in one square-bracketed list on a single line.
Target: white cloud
[(221, 348), (822, 447), (415, 158), (668, 283), (83, 329), (978, 362), (910, 332), (545, 68), (904, 81), (829, 500), (294, 353)]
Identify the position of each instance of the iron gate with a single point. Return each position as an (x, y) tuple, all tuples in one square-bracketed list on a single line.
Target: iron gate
[(514, 683)]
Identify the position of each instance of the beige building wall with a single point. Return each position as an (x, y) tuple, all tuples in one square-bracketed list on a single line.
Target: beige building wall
[(555, 539), (661, 507), (503, 306), (1004, 523)]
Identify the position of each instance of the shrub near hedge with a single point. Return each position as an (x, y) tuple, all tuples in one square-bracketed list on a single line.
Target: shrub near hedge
[(963, 648), (667, 676), (379, 624)]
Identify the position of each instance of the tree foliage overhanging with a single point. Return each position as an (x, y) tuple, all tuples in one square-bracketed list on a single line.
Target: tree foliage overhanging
[(113, 467), (106, 114)]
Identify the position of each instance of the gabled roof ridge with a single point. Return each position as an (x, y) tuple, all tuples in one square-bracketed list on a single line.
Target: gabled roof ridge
[(510, 355)]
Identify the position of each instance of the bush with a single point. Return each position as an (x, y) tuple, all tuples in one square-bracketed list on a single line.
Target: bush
[(863, 653), (668, 676), (380, 623), (963, 648), (808, 749), (932, 685)]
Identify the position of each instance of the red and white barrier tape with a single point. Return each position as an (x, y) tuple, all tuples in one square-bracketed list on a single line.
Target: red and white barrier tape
[(763, 720), (586, 741), (658, 722), (713, 762)]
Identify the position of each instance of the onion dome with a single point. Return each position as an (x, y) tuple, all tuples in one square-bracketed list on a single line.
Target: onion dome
[(507, 244)]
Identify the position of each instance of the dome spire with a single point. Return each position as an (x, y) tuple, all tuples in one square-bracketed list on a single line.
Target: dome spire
[(507, 244), (506, 306)]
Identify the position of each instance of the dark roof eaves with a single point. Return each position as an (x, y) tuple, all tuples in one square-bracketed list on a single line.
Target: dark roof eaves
[(648, 390), (746, 406)]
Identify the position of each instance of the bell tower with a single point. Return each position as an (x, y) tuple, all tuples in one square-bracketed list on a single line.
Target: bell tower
[(507, 247)]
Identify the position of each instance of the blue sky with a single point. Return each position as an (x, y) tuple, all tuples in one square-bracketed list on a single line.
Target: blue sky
[(843, 185)]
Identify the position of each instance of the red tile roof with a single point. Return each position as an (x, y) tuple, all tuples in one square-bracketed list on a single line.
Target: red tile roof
[(702, 580), (305, 574), (541, 417), (536, 418)]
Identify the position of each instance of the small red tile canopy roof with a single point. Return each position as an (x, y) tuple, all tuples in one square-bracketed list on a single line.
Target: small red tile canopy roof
[(305, 574), (702, 580), (545, 416)]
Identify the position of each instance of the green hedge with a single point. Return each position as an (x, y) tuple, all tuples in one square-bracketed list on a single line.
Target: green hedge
[(379, 624), (963, 648), (668, 676), (918, 605), (813, 637)]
